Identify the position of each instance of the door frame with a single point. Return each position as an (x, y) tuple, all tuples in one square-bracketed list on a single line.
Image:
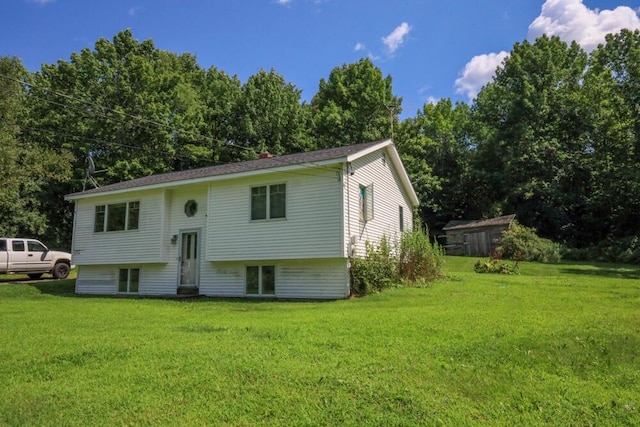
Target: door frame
[(198, 233)]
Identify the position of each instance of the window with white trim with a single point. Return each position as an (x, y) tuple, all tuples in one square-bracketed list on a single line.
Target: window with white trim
[(269, 202), (261, 280), (366, 203), (129, 280), (117, 217)]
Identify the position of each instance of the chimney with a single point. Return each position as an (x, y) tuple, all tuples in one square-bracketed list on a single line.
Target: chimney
[(266, 155)]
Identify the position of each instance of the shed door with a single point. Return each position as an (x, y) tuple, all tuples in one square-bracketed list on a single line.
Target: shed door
[(478, 244), (189, 259)]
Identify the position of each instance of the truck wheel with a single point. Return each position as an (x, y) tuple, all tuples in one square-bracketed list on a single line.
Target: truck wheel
[(34, 275), (61, 271)]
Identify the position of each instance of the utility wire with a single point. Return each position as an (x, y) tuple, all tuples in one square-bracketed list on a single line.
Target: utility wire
[(194, 137)]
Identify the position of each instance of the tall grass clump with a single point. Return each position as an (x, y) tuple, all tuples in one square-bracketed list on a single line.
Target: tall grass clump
[(523, 244), (419, 260), (413, 260)]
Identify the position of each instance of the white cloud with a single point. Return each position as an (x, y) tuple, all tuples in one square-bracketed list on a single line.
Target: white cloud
[(41, 2), (283, 2), (133, 11), (572, 20), (568, 19), (478, 72), (359, 46), (432, 100), (394, 40)]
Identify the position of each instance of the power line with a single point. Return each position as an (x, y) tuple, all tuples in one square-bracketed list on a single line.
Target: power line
[(192, 136)]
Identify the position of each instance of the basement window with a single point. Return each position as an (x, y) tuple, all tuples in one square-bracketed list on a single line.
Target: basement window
[(129, 280), (261, 280)]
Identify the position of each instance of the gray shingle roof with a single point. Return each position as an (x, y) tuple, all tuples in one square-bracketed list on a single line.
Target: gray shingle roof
[(234, 168), (477, 223)]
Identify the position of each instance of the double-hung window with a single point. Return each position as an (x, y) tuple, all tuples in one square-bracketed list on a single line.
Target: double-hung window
[(117, 217), (269, 202)]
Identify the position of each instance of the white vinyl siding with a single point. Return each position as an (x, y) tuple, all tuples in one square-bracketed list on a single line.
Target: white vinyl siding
[(375, 179), (141, 245), (105, 279), (312, 228), (295, 279)]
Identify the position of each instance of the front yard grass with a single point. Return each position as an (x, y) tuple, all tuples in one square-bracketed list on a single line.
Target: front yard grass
[(556, 345)]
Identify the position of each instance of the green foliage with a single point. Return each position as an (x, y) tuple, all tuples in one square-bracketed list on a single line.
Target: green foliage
[(495, 265), (434, 147), (414, 261), (531, 157), (419, 260), (625, 250), (523, 244), (30, 169), (355, 104), (376, 271), (477, 350), (271, 117)]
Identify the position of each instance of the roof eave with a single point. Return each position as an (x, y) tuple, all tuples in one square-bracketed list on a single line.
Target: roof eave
[(205, 179)]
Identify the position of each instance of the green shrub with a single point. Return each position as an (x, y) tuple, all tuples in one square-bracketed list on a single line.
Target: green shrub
[(523, 244), (415, 260), (376, 271), (496, 266), (625, 250)]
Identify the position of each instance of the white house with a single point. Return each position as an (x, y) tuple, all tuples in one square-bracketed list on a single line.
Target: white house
[(281, 226)]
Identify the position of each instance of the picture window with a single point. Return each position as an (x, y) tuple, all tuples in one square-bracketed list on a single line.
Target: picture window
[(117, 217)]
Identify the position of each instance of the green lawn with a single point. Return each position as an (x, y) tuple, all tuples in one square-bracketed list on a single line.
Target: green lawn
[(557, 345)]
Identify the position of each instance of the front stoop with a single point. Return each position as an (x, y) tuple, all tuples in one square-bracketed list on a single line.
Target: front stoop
[(188, 290)]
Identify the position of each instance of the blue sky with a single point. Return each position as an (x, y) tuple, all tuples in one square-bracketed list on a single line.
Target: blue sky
[(432, 49)]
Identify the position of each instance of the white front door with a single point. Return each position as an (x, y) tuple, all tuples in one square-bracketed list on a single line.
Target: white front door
[(189, 258)]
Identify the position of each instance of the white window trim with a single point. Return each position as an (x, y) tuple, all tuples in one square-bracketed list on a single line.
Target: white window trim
[(128, 291), (105, 220), (365, 208), (260, 285), (268, 204)]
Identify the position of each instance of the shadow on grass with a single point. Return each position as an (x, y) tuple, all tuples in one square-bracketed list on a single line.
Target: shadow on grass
[(55, 287), (66, 288), (617, 272)]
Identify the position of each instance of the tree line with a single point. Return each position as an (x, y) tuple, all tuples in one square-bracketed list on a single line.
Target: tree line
[(554, 137)]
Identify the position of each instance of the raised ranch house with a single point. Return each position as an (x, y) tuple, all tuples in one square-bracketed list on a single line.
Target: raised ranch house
[(281, 227)]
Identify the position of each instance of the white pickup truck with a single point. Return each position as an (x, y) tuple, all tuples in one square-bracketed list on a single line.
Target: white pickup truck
[(30, 257)]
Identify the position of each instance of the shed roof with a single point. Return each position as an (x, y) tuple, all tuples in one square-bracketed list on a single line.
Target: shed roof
[(286, 162), (479, 223)]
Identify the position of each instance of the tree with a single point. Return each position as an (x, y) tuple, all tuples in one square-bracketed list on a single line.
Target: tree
[(435, 149), (134, 108), (612, 82), (270, 116), (355, 104), (531, 156), (28, 169)]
